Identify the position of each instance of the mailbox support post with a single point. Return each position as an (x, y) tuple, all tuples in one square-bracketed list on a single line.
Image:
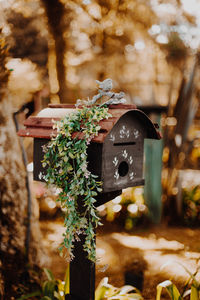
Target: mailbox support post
[(82, 274), (82, 270)]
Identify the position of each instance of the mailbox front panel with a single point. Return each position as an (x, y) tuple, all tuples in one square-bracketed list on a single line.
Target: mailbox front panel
[(123, 155), (94, 159), (38, 156)]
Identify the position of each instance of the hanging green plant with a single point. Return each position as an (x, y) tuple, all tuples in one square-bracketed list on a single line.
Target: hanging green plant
[(66, 161)]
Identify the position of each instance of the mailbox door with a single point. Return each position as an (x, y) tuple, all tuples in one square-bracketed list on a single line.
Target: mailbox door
[(123, 155)]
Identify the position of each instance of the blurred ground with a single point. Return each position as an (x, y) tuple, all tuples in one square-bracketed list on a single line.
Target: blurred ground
[(151, 255)]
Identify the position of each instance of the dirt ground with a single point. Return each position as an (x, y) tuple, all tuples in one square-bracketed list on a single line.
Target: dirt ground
[(147, 256)]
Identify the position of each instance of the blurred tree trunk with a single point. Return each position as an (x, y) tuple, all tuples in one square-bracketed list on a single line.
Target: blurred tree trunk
[(176, 136), (13, 198), (57, 16)]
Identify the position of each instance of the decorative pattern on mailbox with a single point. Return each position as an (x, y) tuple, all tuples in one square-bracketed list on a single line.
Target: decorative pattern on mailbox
[(115, 155)]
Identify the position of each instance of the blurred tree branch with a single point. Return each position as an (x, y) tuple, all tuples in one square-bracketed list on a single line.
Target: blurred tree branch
[(58, 17), (176, 136), (13, 200)]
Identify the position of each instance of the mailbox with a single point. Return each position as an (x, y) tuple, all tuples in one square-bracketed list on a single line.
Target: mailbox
[(115, 155)]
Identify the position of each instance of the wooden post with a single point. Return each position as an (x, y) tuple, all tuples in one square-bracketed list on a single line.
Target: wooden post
[(82, 270), (82, 274)]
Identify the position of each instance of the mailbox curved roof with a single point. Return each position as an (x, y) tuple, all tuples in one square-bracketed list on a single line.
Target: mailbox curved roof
[(41, 126)]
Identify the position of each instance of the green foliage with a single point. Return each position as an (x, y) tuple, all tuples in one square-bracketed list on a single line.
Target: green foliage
[(66, 159), (134, 206), (171, 289), (106, 291), (51, 289), (129, 209), (55, 289), (174, 293), (191, 206)]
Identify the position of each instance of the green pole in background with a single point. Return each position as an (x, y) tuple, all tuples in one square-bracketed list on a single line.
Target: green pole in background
[(153, 150)]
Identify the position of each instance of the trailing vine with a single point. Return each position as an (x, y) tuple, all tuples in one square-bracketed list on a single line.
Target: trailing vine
[(67, 168)]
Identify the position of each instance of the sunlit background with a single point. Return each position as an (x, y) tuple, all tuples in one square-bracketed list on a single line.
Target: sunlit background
[(151, 51), (146, 48)]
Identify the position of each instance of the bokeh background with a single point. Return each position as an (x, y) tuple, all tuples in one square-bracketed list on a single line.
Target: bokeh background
[(52, 52)]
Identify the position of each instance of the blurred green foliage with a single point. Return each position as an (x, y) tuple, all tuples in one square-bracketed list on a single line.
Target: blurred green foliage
[(128, 210), (191, 287), (191, 206)]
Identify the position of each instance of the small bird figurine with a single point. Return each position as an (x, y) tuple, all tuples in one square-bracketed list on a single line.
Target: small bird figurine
[(105, 85), (104, 91)]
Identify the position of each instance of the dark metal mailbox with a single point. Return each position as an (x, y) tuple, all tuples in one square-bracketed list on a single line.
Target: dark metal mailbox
[(115, 155)]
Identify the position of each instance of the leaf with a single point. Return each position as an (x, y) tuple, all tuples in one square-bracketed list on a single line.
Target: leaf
[(58, 296), (48, 288), (127, 289), (194, 293), (108, 291), (159, 289), (71, 155), (192, 276), (27, 296), (49, 274), (67, 280), (69, 168), (102, 288), (171, 289), (186, 293)]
